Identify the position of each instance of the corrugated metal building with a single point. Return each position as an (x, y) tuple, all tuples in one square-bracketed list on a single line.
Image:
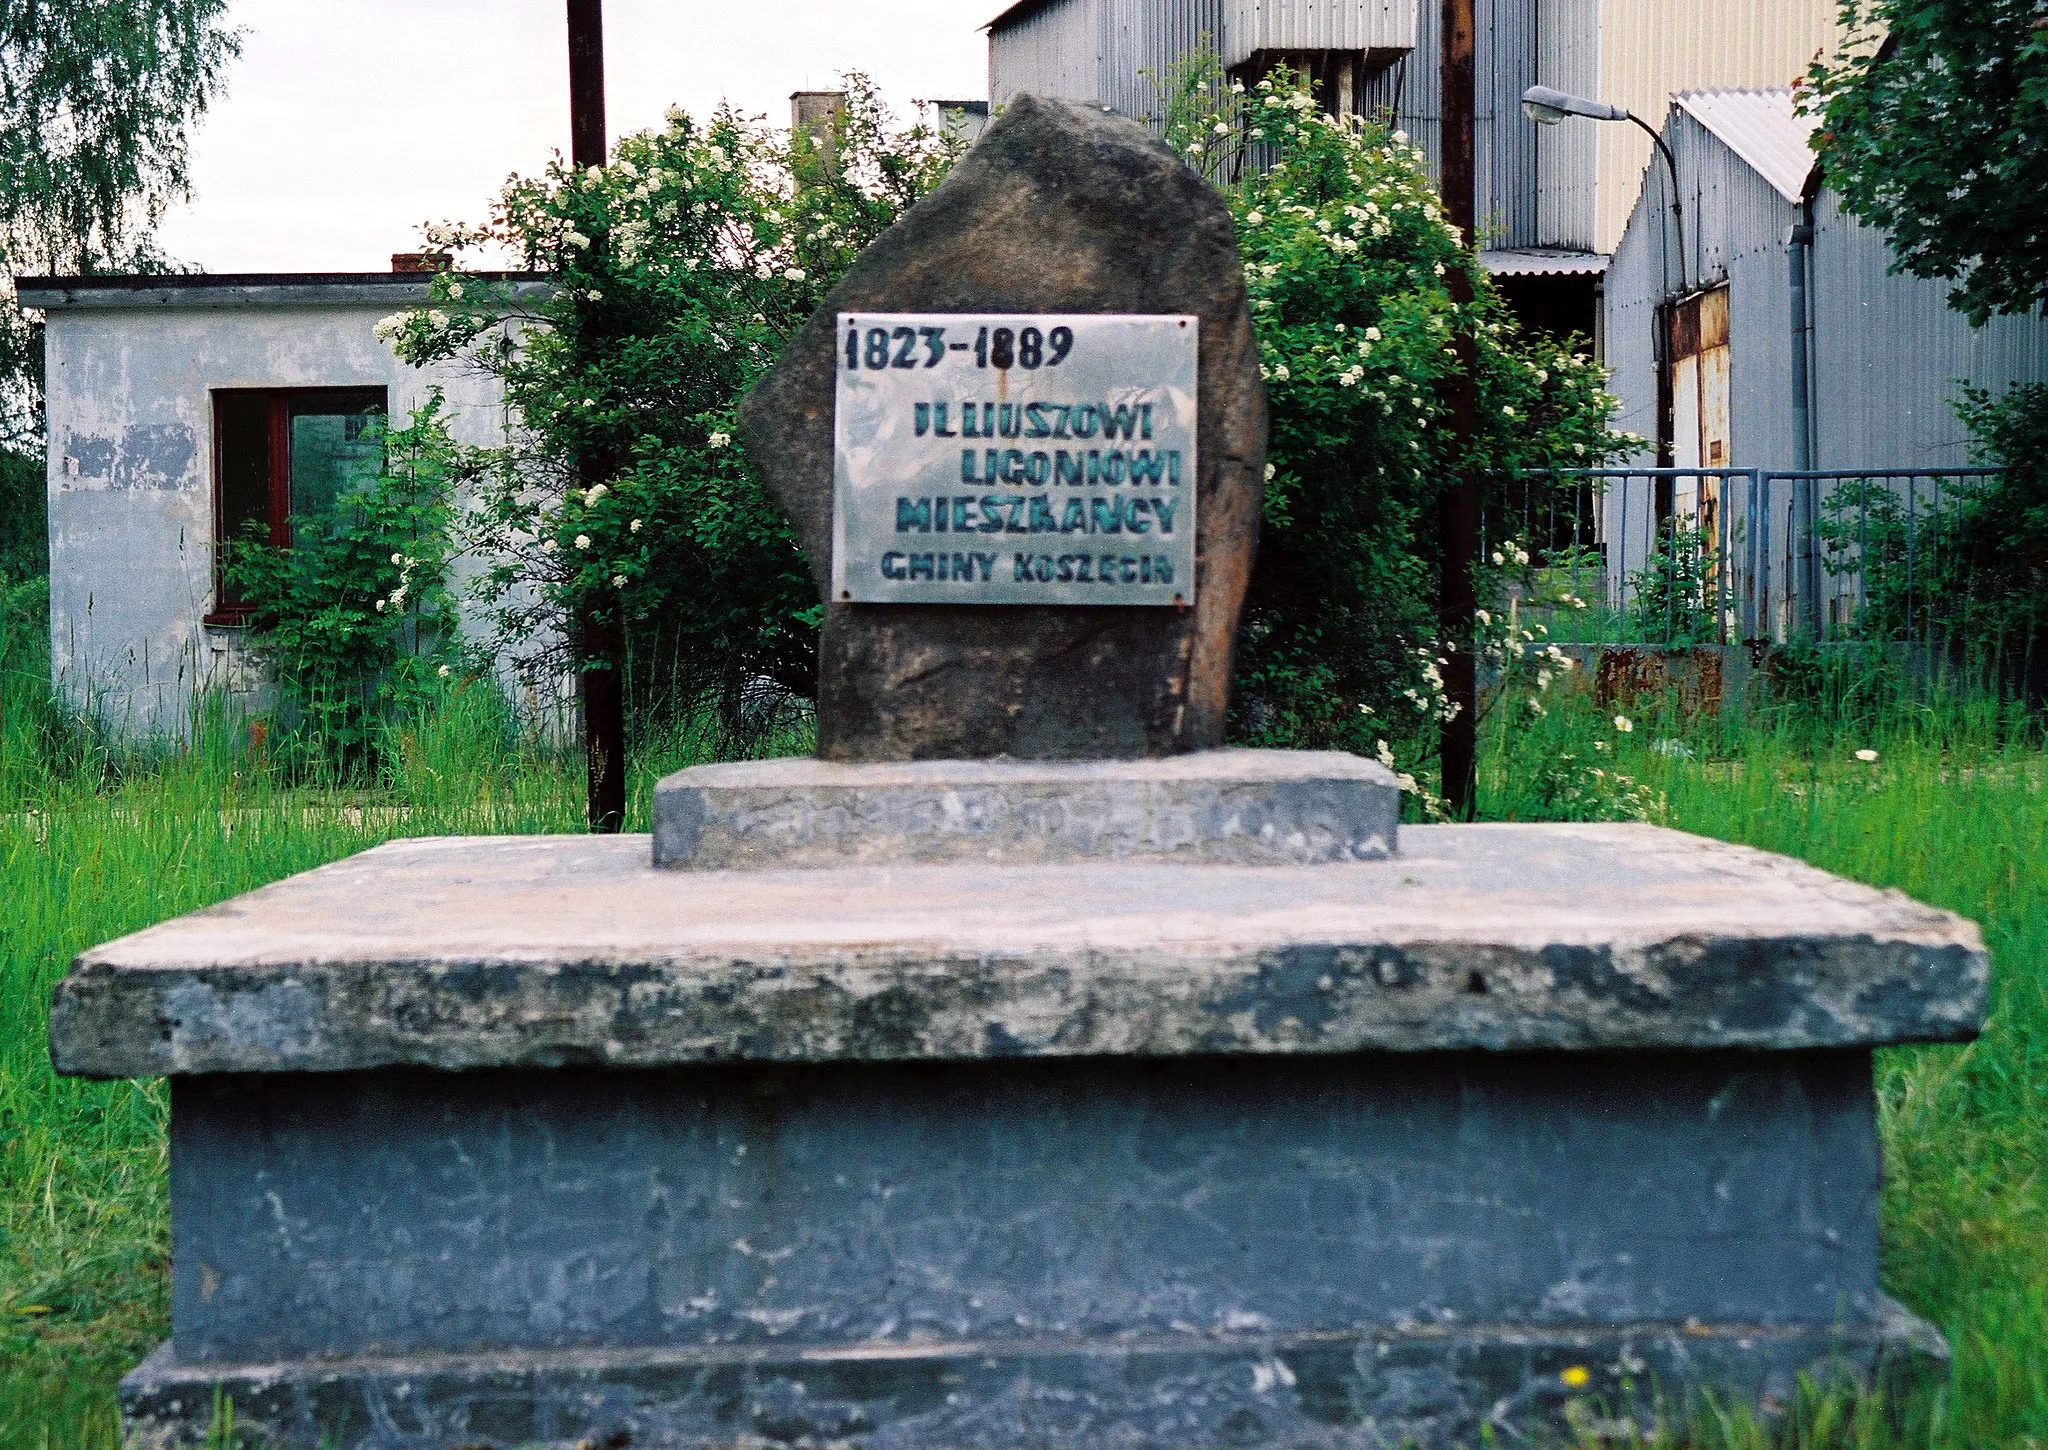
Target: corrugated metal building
[(1884, 354), (1549, 190)]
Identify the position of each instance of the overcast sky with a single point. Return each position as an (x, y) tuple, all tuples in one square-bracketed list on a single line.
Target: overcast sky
[(348, 122)]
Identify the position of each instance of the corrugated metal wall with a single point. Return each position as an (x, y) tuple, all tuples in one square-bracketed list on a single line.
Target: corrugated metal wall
[(1506, 139), (1059, 51), (1295, 25), (1643, 271), (1421, 86), (1505, 143), (1566, 186), (1117, 52), (1144, 40), (1889, 352), (1567, 156), (1735, 225), (1652, 49)]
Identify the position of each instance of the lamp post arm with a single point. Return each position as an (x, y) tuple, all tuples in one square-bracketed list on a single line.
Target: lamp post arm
[(1677, 204)]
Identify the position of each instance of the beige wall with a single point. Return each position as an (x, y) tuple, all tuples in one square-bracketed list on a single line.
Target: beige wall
[(1652, 49)]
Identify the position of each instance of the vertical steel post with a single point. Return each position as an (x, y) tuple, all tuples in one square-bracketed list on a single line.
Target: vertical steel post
[(1620, 569), (586, 82), (601, 676), (1805, 537), (1458, 506), (1912, 524)]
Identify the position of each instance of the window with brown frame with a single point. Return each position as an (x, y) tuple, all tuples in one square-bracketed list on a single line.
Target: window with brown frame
[(280, 453)]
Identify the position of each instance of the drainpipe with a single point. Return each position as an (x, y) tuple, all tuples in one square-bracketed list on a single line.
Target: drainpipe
[(1806, 542)]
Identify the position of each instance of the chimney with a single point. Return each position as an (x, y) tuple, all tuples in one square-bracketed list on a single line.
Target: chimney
[(814, 113), (419, 261)]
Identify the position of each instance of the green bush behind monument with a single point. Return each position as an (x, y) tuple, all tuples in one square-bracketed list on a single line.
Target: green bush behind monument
[(1348, 258), (689, 261)]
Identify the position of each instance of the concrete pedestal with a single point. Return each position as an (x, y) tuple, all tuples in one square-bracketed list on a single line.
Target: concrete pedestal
[(491, 1142), (1214, 807)]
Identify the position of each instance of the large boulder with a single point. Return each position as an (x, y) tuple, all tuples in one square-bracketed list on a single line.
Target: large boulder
[(1059, 208)]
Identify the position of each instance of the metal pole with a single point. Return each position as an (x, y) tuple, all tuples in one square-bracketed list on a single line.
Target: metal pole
[(586, 82), (1620, 564), (1458, 507), (601, 679), (1912, 523), (1798, 254), (1677, 202)]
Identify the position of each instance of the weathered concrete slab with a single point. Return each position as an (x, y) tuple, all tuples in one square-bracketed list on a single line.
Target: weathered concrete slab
[(1059, 208), (881, 1204), (540, 951), (1234, 807), (1417, 1388), (1307, 1251)]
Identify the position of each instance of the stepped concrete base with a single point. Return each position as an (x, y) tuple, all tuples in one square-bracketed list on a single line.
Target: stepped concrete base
[(1217, 807), (1315, 1250), (490, 1142), (1385, 1389)]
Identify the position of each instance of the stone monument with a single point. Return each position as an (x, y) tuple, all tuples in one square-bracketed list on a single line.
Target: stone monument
[(1065, 222), (1026, 1071)]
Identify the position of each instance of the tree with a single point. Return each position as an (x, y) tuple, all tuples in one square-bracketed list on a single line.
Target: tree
[(1347, 258), (1938, 135), (98, 100), (681, 269)]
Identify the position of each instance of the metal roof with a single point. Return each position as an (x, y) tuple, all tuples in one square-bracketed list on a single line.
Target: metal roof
[(1543, 262), (1762, 128), (246, 289), (1022, 10)]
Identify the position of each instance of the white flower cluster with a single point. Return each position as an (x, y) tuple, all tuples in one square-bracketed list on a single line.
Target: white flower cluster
[(1432, 805), (395, 600)]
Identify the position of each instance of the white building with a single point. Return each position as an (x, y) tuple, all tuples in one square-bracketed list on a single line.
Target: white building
[(179, 407)]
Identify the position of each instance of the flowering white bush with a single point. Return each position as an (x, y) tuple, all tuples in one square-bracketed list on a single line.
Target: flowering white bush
[(682, 267), (1347, 260)]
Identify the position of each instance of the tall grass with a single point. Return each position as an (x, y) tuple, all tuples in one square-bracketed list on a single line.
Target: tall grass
[(1952, 811), (97, 840)]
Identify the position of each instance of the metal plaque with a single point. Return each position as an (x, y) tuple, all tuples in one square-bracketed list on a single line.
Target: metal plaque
[(1007, 459)]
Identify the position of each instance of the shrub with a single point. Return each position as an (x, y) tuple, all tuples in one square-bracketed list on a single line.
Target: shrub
[(682, 268), (355, 617), (1348, 261), (1968, 564)]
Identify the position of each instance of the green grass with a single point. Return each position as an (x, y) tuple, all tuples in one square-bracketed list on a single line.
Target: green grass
[(94, 844), (1952, 812)]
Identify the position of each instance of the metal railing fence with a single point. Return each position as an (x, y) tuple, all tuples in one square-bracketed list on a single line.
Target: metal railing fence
[(1678, 556)]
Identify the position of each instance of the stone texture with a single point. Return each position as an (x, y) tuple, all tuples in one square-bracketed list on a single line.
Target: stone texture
[(541, 951), (878, 1204), (1236, 807), (1058, 208), (1417, 1388), (1311, 1251)]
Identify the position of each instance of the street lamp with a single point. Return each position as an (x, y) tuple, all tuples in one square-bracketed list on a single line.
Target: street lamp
[(1547, 106)]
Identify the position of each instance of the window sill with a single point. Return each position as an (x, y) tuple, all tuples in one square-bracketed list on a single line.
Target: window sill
[(226, 619)]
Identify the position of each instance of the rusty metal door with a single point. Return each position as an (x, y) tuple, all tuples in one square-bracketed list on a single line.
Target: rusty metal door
[(1699, 424)]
